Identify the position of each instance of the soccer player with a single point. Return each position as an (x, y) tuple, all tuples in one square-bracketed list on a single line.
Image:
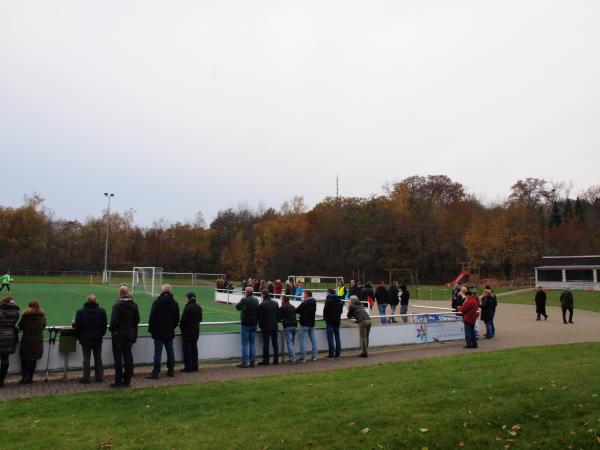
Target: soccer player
[(6, 280)]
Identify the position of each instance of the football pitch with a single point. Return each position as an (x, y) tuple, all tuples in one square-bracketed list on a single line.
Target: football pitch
[(60, 302)]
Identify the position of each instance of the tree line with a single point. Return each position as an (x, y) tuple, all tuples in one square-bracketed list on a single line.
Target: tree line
[(423, 223)]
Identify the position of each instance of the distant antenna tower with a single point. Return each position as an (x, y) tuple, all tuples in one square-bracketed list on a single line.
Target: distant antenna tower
[(337, 186)]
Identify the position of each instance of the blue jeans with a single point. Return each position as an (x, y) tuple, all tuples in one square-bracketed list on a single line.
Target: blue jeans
[(470, 335), (333, 331), (290, 340), (490, 329), (310, 331), (248, 335), (381, 309), (158, 346)]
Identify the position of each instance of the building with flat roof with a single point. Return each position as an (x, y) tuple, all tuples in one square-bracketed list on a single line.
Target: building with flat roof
[(574, 272)]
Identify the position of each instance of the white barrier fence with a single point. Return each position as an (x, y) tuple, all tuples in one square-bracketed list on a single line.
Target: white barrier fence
[(234, 297), (420, 329)]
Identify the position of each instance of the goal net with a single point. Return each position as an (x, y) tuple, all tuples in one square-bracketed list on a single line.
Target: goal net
[(147, 280)]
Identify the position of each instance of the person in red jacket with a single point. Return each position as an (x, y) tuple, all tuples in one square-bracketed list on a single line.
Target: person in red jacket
[(470, 313)]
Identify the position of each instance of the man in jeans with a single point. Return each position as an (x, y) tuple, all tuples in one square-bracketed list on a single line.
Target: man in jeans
[(307, 311), (289, 323), (470, 313), (164, 318), (381, 296), (124, 322), (90, 326), (248, 308), (332, 312)]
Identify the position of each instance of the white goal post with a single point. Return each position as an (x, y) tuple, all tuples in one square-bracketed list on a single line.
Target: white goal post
[(147, 280)]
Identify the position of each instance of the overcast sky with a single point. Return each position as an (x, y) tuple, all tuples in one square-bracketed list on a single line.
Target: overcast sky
[(182, 106)]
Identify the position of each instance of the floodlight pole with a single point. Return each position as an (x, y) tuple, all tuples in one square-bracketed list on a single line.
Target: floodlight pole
[(109, 196)]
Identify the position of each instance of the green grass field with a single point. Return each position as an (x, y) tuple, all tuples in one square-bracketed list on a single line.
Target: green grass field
[(61, 301), (496, 400)]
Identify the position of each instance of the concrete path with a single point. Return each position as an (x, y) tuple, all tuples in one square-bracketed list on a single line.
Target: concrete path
[(515, 327)]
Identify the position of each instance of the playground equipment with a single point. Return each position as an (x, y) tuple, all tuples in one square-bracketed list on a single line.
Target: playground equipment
[(468, 273)]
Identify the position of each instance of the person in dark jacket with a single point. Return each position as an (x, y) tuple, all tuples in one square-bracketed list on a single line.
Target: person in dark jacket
[(332, 312), (289, 324), (367, 294), (190, 332), (268, 317), (566, 304), (393, 299), (9, 334), (124, 322), (249, 318), (32, 324), (404, 298), (354, 289), (307, 310), (164, 318), (90, 327), (540, 303), (357, 311), (488, 311), (459, 295), (381, 296), (470, 312)]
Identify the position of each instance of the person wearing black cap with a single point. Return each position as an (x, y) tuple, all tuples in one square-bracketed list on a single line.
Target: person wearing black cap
[(190, 332)]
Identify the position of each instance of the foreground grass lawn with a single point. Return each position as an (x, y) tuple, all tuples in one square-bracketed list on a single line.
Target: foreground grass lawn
[(544, 397)]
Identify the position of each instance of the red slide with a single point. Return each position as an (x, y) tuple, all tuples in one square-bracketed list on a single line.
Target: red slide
[(464, 273)]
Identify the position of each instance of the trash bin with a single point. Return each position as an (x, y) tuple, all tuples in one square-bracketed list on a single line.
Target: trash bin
[(67, 342)]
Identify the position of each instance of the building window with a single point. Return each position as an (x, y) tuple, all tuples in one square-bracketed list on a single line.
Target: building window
[(580, 275), (549, 274)]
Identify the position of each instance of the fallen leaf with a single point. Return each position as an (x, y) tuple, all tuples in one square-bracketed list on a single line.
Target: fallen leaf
[(465, 425), (379, 445), (598, 439), (350, 424), (516, 427), (364, 430), (423, 430), (461, 444), (512, 433)]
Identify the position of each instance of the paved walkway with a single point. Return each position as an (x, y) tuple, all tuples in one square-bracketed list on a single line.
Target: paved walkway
[(515, 327)]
